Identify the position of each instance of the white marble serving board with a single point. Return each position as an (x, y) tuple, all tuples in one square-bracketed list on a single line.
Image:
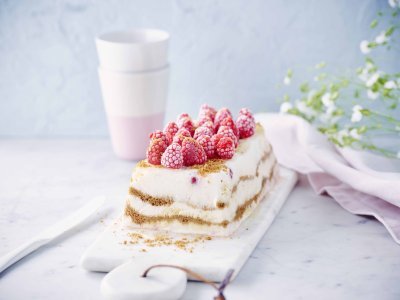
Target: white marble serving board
[(210, 258)]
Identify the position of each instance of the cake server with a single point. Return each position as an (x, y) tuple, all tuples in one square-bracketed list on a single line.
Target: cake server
[(51, 233)]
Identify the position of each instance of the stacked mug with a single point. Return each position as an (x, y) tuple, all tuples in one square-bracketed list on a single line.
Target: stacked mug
[(133, 76)]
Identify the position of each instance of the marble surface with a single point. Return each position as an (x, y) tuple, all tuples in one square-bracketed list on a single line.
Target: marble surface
[(313, 250)]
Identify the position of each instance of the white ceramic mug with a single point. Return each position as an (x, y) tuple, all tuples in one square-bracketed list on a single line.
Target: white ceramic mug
[(134, 50), (135, 106)]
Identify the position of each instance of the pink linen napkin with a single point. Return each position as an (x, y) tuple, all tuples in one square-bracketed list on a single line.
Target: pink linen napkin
[(361, 182)]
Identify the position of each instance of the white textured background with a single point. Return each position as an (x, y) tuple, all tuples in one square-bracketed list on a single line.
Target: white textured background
[(232, 53)]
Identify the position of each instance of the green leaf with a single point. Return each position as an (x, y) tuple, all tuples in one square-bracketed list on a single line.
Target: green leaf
[(365, 112), (289, 73), (369, 60), (335, 95), (362, 129), (286, 98), (374, 23), (390, 31), (304, 87), (357, 94)]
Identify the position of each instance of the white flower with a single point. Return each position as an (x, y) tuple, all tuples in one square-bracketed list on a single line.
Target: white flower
[(364, 47), (357, 114), (328, 117), (327, 100), (397, 128), (365, 71), (371, 81), (372, 95), (311, 94), (394, 3), (381, 38), (354, 134), (398, 154), (390, 85), (287, 80), (285, 107), (342, 134), (303, 108), (331, 109)]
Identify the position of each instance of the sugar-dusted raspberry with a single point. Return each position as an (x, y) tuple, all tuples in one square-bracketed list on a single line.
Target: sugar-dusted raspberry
[(209, 125), (170, 130), (202, 120), (192, 152), (208, 145), (207, 111), (181, 118), (216, 137), (172, 157), (158, 134), (171, 127), (180, 135), (202, 131), (155, 151), (246, 126), (228, 121), (246, 112), (225, 148), (221, 114), (201, 156), (188, 124), (228, 132)]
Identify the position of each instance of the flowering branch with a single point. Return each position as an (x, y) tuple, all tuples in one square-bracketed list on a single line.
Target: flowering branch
[(352, 110)]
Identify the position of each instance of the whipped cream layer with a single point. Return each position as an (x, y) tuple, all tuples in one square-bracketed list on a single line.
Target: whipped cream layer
[(210, 199)]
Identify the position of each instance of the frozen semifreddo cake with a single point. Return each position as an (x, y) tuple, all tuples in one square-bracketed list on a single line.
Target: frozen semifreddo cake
[(202, 177)]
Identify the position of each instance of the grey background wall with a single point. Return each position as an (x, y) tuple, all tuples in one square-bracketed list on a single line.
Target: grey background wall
[(231, 53)]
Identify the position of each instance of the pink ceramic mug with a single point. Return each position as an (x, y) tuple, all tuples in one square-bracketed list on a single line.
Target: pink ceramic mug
[(135, 106), (133, 76)]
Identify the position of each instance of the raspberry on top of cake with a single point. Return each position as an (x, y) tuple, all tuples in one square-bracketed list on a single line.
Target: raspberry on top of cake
[(188, 142)]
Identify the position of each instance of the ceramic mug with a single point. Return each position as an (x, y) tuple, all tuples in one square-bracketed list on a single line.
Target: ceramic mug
[(134, 50), (135, 106)]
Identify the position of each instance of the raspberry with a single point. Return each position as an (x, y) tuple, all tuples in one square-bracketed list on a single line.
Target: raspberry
[(209, 125), (228, 132), (188, 124), (231, 124), (158, 134), (208, 145), (221, 114), (170, 130), (216, 137), (180, 119), (172, 157), (180, 135), (207, 111), (225, 148), (246, 112), (192, 152), (155, 151), (202, 131), (203, 120), (246, 126)]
